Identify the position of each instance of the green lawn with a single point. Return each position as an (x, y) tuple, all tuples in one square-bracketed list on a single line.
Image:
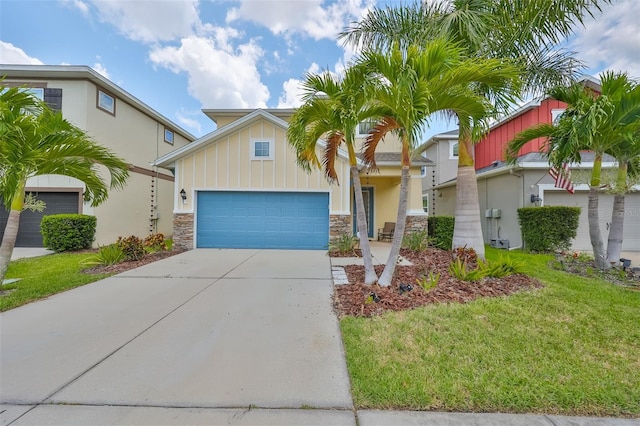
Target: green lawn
[(571, 348), (44, 276)]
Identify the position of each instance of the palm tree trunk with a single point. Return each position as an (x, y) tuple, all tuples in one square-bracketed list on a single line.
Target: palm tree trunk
[(594, 229), (467, 230), (370, 276), (616, 231), (398, 234), (9, 241)]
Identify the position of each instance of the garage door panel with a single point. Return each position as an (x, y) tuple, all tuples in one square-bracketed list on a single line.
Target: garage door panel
[(29, 228), (262, 220)]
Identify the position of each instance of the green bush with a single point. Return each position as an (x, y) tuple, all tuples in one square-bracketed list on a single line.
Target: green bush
[(132, 247), (547, 229), (440, 231), (107, 255), (68, 232), (415, 241)]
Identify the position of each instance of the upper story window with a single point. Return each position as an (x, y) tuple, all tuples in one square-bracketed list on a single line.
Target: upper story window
[(106, 102), (365, 127), (423, 171), (555, 115), (453, 150), (38, 92), (168, 136), (261, 150)]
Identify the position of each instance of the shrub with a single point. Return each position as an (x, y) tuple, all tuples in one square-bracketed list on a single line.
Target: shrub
[(499, 268), (440, 231), (428, 282), (547, 229), (415, 241), (344, 243), (68, 232), (154, 243), (107, 255), (465, 254), (132, 247)]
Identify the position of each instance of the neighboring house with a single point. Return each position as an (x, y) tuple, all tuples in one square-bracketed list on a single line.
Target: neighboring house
[(240, 187), (504, 188), (117, 120)]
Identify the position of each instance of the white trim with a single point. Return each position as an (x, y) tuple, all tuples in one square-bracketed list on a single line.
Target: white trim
[(452, 156), (205, 189), (414, 212), (252, 149)]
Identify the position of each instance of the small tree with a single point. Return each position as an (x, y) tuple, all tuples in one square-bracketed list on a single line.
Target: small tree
[(35, 140)]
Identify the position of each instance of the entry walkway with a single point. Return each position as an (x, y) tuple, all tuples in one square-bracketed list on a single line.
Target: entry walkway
[(209, 337)]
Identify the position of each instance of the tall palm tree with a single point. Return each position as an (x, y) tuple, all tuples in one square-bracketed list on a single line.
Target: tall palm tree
[(591, 122), (410, 85), (523, 31), (34, 140), (333, 108)]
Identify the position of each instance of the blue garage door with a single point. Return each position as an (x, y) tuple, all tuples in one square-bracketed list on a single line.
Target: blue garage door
[(284, 220)]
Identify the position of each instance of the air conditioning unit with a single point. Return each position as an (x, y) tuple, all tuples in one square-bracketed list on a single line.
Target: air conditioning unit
[(499, 243)]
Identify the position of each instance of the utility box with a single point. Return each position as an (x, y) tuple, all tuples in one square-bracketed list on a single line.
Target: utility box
[(499, 243), (488, 213), (496, 213)]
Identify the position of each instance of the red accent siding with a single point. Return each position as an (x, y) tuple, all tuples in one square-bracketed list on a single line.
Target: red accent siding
[(491, 148)]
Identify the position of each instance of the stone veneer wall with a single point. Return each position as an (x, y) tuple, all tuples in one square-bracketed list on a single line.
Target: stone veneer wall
[(339, 224), (415, 224), (183, 230)]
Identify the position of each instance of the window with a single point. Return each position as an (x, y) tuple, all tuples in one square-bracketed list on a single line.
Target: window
[(425, 205), (261, 150), (38, 92), (106, 102), (168, 136), (453, 150), (423, 171), (555, 115), (365, 126)]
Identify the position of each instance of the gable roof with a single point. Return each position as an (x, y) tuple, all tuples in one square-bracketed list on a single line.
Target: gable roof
[(236, 125), (83, 72)]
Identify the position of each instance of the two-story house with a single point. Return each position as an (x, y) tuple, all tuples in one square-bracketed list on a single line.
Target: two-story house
[(504, 188), (240, 186), (117, 120)]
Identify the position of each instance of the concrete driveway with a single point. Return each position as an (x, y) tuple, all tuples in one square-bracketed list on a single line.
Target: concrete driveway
[(204, 337)]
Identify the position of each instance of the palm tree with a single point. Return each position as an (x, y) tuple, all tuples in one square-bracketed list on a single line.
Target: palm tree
[(411, 85), (333, 109), (526, 32), (591, 122), (37, 141)]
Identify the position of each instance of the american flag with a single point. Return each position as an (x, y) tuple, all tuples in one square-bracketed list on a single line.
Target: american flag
[(562, 177)]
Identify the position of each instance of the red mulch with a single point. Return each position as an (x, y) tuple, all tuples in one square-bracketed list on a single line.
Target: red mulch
[(354, 299), (131, 264)]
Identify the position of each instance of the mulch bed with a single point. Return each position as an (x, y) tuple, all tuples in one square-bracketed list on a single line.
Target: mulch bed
[(355, 299), (131, 264)]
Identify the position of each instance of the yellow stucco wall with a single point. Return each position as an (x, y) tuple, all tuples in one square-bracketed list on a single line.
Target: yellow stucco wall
[(225, 164)]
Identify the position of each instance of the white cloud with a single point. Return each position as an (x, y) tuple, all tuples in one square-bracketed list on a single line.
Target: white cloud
[(10, 54), (312, 18), (191, 123), (612, 40), (78, 4), (153, 20), (218, 78), (291, 96), (101, 69)]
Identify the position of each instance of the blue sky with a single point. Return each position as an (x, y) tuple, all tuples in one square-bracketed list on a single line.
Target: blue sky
[(179, 56)]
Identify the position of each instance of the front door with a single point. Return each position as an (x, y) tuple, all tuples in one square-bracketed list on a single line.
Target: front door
[(367, 197)]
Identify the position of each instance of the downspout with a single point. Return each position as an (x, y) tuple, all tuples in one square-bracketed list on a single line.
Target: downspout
[(522, 199)]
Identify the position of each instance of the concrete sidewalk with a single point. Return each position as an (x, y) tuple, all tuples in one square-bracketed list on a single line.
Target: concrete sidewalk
[(207, 337)]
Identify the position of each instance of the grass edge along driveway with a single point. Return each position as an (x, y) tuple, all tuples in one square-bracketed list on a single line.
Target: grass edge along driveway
[(44, 276), (572, 348)]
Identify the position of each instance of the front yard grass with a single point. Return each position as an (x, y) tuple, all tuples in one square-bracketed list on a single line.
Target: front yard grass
[(571, 348), (44, 276)]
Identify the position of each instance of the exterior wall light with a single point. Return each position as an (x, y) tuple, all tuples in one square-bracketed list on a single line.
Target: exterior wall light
[(183, 195), (536, 199)]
